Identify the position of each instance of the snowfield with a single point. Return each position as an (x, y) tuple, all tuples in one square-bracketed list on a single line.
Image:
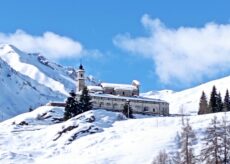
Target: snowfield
[(97, 136), (187, 101)]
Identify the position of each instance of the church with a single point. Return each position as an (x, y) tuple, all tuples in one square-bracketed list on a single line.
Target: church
[(113, 97)]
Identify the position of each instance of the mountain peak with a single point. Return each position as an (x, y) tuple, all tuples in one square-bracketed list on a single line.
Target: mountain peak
[(28, 80)]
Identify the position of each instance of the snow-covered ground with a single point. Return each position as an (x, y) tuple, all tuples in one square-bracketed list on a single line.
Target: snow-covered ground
[(187, 101), (96, 136)]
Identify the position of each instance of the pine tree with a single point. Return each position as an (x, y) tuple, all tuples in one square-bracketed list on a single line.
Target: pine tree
[(226, 102), (72, 107), (127, 110), (203, 106), (85, 100), (219, 103), (213, 105), (188, 139), (212, 147)]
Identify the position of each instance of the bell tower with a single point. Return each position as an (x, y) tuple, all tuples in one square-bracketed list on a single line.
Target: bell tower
[(80, 78)]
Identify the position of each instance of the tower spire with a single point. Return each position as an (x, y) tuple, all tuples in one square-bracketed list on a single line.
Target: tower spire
[(80, 78), (81, 66)]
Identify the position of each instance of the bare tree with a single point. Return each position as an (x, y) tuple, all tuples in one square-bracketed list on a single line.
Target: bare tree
[(225, 144), (188, 139), (212, 148), (162, 158)]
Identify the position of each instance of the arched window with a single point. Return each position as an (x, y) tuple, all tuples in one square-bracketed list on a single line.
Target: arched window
[(115, 105), (154, 110)]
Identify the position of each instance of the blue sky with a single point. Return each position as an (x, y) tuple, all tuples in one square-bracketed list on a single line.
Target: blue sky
[(153, 41)]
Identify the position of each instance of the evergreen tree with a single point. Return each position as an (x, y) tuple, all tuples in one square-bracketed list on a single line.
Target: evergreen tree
[(212, 148), (226, 105), (213, 103), (219, 103), (127, 111), (203, 106), (85, 100), (188, 139), (72, 106)]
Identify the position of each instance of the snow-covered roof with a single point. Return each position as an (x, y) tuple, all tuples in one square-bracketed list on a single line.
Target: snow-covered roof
[(136, 82), (94, 88), (118, 86)]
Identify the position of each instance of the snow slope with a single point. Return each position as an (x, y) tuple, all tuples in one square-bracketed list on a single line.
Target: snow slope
[(96, 136), (29, 80), (187, 101)]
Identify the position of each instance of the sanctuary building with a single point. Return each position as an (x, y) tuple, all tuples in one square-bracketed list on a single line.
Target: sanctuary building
[(114, 96)]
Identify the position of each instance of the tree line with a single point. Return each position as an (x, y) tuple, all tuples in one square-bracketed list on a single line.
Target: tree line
[(75, 106), (215, 145), (215, 104)]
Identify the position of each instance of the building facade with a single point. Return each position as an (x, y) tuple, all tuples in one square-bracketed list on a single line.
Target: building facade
[(138, 104), (114, 96)]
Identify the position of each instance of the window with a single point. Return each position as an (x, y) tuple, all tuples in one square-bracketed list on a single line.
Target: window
[(115, 105), (146, 109), (123, 93), (154, 110), (108, 104), (137, 106), (101, 104), (81, 75)]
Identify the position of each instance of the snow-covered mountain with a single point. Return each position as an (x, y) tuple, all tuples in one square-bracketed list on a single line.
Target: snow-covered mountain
[(187, 101), (96, 136), (28, 80)]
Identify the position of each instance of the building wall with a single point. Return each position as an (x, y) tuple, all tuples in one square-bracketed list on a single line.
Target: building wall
[(138, 106), (127, 93), (80, 80)]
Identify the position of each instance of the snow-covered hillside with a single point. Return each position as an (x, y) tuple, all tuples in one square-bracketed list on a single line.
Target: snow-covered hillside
[(96, 136), (187, 101), (29, 80)]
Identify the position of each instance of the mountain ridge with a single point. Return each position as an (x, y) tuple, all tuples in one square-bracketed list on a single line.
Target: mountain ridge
[(30, 80), (48, 81)]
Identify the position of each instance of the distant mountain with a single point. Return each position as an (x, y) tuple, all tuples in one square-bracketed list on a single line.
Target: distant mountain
[(187, 101), (28, 80)]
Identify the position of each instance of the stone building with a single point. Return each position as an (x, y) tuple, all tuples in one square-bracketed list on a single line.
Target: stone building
[(114, 96)]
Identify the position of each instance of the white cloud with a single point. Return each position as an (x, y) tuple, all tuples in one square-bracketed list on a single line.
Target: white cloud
[(185, 54), (49, 44)]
